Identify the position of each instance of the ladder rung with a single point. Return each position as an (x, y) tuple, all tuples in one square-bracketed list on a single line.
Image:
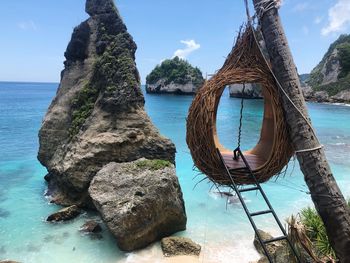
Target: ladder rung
[(274, 239), (261, 213), (249, 189)]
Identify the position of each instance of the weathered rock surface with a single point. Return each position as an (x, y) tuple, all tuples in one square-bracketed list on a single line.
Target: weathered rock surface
[(98, 7), (342, 97), (307, 92), (98, 113), (65, 214), (178, 246), (323, 96), (279, 250), (332, 75), (140, 201), (91, 226), (181, 89), (251, 91), (331, 68)]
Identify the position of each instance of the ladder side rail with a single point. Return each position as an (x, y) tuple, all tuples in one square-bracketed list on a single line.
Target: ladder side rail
[(246, 209), (268, 204)]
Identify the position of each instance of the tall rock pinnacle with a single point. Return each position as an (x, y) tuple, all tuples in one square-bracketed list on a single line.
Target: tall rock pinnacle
[(97, 7), (98, 113), (96, 129)]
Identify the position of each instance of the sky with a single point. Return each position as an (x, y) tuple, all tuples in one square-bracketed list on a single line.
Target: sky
[(35, 33)]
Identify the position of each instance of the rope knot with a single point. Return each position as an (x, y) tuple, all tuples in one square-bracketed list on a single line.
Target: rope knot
[(265, 5)]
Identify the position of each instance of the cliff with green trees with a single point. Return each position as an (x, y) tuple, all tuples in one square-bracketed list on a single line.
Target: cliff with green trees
[(174, 76), (330, 79)]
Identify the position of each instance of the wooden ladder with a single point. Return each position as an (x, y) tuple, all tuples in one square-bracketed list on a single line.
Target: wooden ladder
[(238, 154)]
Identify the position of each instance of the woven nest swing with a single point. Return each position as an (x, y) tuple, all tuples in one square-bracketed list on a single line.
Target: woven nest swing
[(245, 64)]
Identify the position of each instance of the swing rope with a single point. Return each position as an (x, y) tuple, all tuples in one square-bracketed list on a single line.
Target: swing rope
[(241, 119)]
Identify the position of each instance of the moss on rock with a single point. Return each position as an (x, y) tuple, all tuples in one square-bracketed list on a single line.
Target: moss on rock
[(114, 68), (153, 164), (82, 107)]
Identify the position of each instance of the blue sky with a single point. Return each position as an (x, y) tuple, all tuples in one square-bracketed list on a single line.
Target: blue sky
[(35, 33)]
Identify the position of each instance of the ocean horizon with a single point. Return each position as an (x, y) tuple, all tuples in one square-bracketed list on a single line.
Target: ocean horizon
[(219, 225)]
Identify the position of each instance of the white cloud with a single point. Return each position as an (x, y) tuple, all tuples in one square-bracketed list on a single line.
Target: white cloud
[(27, 25), (191, 46), (338, 17)]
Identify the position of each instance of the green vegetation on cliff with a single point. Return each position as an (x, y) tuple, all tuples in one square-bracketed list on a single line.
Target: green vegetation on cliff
[(176, 70), (114, 68), (342, 47), (344, 55), (82, 107)]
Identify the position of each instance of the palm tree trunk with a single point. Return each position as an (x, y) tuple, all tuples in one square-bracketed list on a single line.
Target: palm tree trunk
[(324, 190)]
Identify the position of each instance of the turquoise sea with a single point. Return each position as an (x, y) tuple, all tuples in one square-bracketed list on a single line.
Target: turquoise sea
[(221, 227)]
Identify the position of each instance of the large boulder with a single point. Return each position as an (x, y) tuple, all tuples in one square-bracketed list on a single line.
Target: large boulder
[(179, 246), (140, 201), (97, 115)]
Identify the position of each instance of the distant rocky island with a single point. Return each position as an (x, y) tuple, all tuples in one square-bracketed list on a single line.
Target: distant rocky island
[(175, 76), (99, 146), (329, 81)]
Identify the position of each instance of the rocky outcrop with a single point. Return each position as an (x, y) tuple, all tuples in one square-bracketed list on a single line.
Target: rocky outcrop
[(323, 96), (330, 79), (65, 214), (181, 89), (279, 250), (174, 76), (342, 97), (178, 246), (307, 92), (140, 201), (251, 91), (91, 226), (98, 115), (331, 68)]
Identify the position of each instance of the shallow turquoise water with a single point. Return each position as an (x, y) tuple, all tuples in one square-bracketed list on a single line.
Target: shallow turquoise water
[(222, 229)]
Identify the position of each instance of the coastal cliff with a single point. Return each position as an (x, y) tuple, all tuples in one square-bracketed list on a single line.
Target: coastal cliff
[(98, 117), (329, 81), (175, 76)]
